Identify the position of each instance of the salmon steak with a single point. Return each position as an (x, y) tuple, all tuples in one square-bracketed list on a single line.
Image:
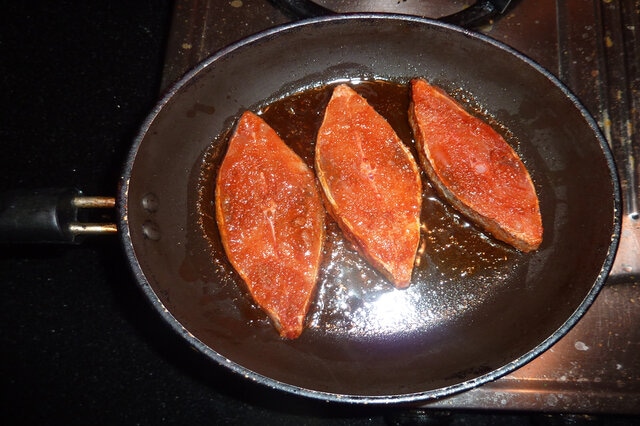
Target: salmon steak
[(371, 184), (474, 168), (271, 221)]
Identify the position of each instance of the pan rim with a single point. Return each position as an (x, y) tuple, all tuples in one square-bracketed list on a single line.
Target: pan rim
[(208, 352)]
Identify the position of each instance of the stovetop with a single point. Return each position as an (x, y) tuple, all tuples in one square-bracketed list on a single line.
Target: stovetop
[(592, 46)]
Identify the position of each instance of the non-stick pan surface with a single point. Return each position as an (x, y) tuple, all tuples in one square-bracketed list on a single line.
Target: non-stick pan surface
[(454, 328)]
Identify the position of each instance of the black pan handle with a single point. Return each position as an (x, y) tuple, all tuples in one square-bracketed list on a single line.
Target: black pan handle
[(474, 16), (477, 14), (303, 9), (49, 216)]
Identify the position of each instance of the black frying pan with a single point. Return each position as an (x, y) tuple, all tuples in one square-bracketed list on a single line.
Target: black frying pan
[(455, 328), (446, 333)]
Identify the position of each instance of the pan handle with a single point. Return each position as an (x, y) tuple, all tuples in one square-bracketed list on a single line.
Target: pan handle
[(474, 16), (478, 14), (50, 216)]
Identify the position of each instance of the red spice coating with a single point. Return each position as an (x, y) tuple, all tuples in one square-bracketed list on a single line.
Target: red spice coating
[(271, 222), (474, 168)]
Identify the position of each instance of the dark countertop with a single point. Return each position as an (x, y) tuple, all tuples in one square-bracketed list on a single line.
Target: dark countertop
[(80, 344)]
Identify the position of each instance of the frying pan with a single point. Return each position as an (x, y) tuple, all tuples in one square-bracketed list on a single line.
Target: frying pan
[(453, 329)]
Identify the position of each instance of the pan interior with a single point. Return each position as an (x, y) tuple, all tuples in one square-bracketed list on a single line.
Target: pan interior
[(461, 322)]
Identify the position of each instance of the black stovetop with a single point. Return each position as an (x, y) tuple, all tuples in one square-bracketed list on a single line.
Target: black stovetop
[(80, 344)]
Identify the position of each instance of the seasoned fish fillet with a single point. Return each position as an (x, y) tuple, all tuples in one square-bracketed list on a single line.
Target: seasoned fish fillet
[(271, 222), (371, 184), (474, 168)]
